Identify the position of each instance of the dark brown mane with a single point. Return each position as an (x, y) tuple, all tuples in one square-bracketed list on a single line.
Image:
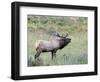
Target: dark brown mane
[(63, 43)]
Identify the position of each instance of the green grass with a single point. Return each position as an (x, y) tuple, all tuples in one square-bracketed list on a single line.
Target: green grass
[(74, 53)]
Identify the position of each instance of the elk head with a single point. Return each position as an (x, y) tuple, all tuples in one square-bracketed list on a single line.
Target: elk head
[(63, 40)]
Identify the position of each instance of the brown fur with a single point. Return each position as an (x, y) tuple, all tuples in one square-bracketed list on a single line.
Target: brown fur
[(51, 46)]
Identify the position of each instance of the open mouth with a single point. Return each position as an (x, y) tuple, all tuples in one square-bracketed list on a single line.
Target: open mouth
[(69, 40)]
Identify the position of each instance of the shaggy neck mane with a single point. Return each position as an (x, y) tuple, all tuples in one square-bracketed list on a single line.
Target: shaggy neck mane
[(62, 43)]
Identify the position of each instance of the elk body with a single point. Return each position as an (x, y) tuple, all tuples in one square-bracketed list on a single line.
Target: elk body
[(57, 43)]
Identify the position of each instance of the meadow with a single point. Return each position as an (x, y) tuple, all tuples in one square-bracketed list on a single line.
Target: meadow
[(39, 28)]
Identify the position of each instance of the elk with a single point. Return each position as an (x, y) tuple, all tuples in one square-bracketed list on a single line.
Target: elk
[(57, 43)]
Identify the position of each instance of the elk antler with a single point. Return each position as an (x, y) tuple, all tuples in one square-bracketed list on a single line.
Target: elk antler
[(66, 35)]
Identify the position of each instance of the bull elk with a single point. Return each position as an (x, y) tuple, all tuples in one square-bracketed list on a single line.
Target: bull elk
[(57, 43)]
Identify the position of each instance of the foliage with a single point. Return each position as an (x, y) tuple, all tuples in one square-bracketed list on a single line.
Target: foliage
[(58, 23)]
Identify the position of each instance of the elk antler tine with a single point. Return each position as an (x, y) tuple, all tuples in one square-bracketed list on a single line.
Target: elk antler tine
[(66, 35)]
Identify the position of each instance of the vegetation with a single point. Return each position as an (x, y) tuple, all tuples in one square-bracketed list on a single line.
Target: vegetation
[(40, 27)]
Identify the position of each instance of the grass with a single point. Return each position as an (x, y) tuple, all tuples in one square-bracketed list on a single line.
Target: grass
[(74, 53)]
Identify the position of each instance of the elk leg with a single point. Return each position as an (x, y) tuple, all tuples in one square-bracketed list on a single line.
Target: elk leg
[(37, 54), (53, 54)]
